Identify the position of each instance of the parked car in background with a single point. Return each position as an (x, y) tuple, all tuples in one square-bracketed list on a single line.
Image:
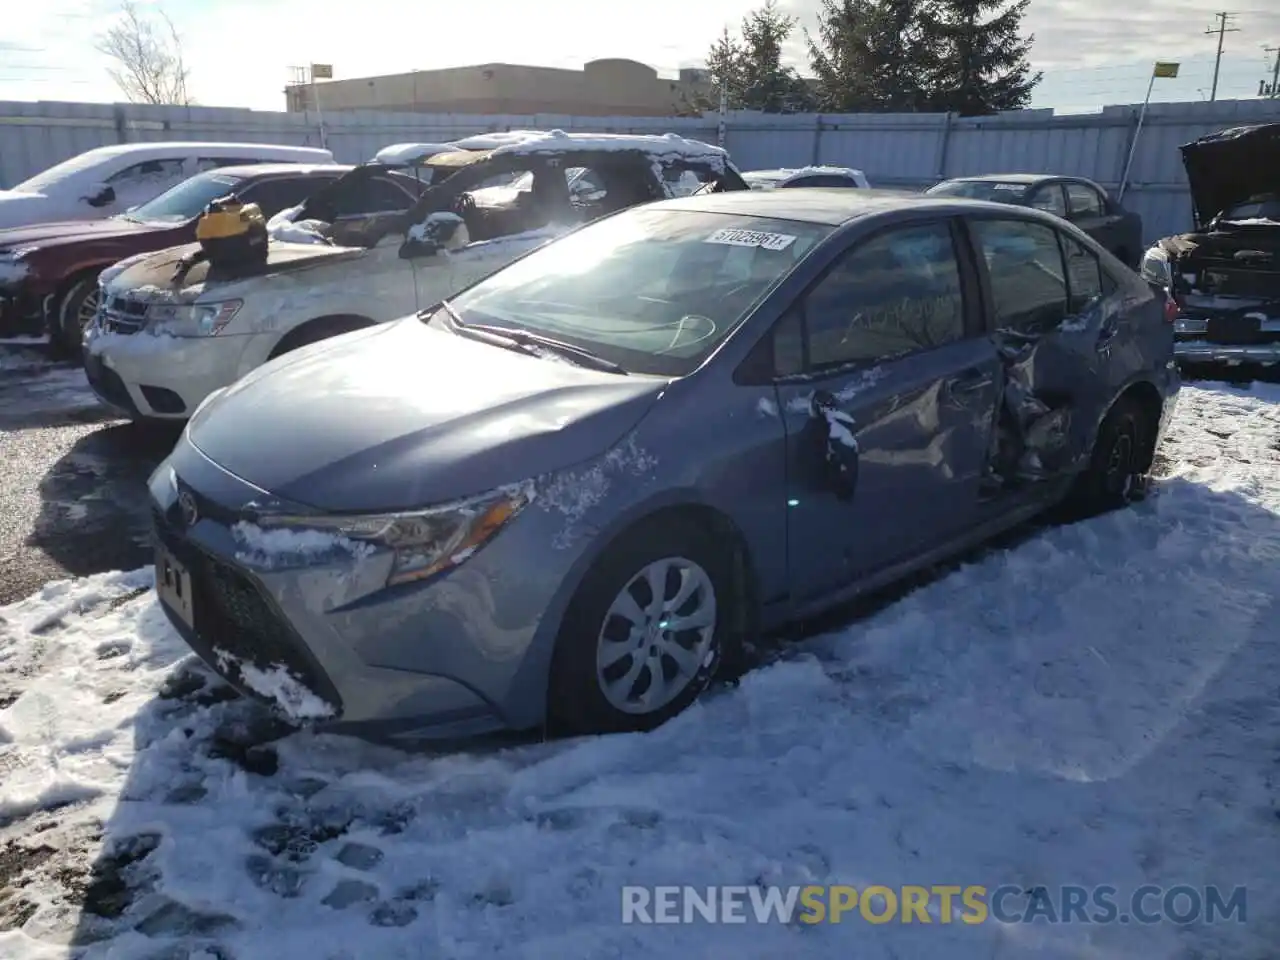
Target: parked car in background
[(49, 273), (109, 180), (573, 490), (167, 339), (806, 177), (1081, 201), (1225, 274)]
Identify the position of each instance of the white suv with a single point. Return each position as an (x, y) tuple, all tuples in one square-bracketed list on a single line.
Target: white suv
[(171, 332), (101, 183)]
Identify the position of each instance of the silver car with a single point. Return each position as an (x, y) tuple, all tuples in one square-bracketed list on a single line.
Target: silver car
[(573, 491)]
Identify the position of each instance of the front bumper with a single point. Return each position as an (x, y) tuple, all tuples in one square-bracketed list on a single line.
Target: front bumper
[(460, 655), (164, 378)]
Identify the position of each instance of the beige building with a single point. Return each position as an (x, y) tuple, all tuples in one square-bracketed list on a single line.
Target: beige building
[(600, 88)]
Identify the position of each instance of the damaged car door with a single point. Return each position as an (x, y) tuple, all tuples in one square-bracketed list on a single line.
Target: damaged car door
[(888, 391), (1056, 326)]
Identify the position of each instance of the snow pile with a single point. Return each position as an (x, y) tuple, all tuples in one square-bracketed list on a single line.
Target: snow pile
[(411, 154), (1093, 706), (283, 548), (667, 147), (277, 684), (284, 228), (438, 224)]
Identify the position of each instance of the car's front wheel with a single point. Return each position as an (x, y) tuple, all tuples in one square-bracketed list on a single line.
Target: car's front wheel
[(645, 633), (73, 312)]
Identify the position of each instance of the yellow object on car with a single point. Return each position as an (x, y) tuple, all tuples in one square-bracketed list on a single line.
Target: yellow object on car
[(232, 233)]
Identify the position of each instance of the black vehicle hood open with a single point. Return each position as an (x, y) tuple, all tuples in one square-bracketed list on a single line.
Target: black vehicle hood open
[(1230, 167)]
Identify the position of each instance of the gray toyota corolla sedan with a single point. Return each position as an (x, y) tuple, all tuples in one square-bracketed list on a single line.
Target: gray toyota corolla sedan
[(571, 492)]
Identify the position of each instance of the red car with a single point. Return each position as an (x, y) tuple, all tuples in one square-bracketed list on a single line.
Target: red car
[(49, 272)]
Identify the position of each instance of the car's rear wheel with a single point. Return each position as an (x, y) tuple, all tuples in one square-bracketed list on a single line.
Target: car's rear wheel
[(74, 312), (645, 633), (1119, 462)]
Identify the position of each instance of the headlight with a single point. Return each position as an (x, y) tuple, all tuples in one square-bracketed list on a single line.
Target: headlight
[(1157, 269), (191, 320), (425, 542)]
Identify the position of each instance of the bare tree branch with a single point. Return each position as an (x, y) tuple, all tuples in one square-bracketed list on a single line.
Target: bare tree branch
[(149, 63)]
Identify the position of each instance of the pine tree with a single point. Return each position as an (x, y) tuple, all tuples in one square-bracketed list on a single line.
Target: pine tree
[(767, 85), (873, 55), (724, 63), (982, 64)]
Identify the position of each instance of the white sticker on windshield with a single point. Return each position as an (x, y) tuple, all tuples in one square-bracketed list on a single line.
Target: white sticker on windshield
[(752, 238)]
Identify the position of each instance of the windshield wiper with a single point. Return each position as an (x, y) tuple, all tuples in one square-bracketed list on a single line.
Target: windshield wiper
[(531, 343)]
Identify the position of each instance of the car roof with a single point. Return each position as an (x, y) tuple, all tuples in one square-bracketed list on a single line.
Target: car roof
[(1027, 178), (659, 146), (207, 149), (833, 206), (270, 169), (786, 173)]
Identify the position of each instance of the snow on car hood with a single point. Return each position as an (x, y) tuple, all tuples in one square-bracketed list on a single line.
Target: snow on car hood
[(1230, 167), (153, 277), (19, 209), (405, 415)]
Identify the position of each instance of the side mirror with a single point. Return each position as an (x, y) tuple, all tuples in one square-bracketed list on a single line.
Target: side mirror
[(414, 248), (104, 195)]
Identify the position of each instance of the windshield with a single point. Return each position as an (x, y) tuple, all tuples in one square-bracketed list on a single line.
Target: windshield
[(1256, 208), (57, 173), (188, 199), (997, 191), (652, 290)]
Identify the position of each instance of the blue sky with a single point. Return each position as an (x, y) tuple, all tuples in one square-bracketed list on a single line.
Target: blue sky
[(1093, 52)]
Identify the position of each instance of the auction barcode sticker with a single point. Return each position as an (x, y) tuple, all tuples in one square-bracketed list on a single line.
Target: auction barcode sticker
[(752, 238)]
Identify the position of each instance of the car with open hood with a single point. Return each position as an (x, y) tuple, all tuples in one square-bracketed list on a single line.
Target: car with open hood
[(571, 493), (108, 180), (49, 272), (1225, 274), (1086, 204), (174, 327)]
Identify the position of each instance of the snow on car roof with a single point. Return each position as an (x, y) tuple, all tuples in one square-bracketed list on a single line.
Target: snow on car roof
[(662, 146), (787, 173), (408, 154)]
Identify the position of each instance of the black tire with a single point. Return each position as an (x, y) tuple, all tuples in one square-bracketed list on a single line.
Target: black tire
[(576, 704), (72, 311), (1119, 461), (313, 331)]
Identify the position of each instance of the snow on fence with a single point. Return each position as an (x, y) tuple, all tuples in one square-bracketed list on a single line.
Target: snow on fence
[(908, 151)]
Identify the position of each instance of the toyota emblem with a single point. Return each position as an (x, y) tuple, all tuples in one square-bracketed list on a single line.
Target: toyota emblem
[(187, 506)]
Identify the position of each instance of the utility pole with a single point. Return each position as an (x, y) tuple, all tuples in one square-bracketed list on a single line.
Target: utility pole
[(1274, 91), (1223, 19)]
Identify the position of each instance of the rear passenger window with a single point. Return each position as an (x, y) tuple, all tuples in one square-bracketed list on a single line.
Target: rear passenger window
[(1084, 275), (1025, 266), (1085, 201), (280, 194), (1049, 199), (148, 171), (895, 294)]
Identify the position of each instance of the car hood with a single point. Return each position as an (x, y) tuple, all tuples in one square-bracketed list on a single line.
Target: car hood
[(67, 231), (175, 275), (1229, 167), (405, 415), (17, 209)]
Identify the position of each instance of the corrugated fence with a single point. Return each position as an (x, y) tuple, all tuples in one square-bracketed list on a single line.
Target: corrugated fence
[(908, 151)]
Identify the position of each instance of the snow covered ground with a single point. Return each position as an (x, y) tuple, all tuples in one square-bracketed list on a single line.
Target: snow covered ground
[(1095, 706)]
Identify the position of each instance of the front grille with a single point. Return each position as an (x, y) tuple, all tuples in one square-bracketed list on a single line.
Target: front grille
[(123, 315), (232, 615)]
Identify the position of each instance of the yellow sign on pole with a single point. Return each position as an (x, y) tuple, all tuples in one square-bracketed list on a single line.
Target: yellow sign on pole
[(324, 71), (1165, 70)]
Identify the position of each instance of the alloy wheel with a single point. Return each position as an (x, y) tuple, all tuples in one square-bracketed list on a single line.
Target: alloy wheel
[(1119, 464), (85, 313), (657, 636)]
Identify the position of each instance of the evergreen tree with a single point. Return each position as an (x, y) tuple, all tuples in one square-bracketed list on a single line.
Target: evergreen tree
[(724, 63), (767, 85), (982, 65), (873, 55)]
